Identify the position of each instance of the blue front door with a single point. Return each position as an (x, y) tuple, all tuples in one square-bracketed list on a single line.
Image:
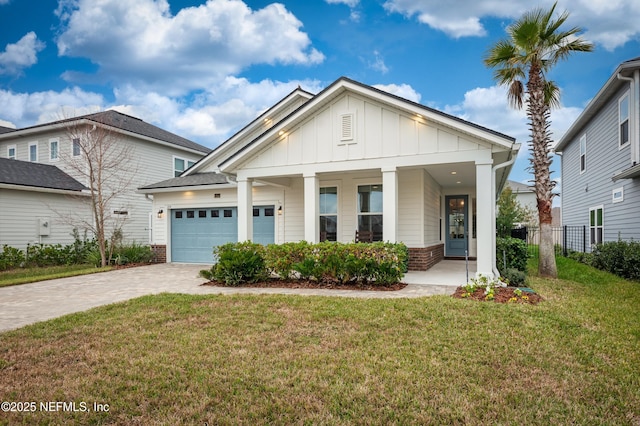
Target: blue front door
[(457, 234)]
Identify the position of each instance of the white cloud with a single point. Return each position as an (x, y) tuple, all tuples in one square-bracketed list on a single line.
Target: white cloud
[(20, 55), (27, 109), (144, 44), (350, 3), (378, 63), (601, 19), (403, 90)]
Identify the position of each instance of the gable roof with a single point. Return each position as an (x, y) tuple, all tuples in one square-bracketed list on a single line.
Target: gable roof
[(255, 125), (611, 86), (196, 179), (27, 174), (6, 129), (518, 187), (344, 84), (123, 122)]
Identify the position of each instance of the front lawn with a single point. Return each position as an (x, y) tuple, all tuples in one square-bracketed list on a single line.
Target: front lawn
[(172, 359), (33, 274)]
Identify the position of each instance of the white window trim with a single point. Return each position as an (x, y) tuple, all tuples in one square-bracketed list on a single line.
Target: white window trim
[(338, 185), (72, 144), (596, 208), (15, 152), (365, 182), (51, 142), (29, 152), (617, 191), (628, 96), (583, 137)]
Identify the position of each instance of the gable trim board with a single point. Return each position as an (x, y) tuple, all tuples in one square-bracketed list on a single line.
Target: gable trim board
[(416, 154)]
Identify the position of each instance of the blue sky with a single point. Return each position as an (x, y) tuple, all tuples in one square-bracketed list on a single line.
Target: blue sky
[(204, 69)]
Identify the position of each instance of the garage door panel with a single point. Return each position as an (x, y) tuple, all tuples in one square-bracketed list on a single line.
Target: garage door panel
[(194, 232)]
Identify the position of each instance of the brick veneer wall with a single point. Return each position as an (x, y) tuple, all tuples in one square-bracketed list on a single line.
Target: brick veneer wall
[(421, 259), (160, 253)]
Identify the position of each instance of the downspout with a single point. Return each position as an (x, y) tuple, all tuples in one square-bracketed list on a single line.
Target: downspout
[(633, 124), (496, 273)]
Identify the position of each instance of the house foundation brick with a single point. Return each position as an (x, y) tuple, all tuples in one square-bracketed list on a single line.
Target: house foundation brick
[(421, 259), (159, 253)]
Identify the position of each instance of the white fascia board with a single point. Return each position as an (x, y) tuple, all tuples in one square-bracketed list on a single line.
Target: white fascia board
[(186, 188), (345, 85), (47, 190), (230, 144)]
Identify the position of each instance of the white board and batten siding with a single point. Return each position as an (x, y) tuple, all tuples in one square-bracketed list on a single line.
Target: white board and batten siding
[(378, 132)]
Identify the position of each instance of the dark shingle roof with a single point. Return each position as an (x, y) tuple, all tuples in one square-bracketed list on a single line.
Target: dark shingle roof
[(196, 179), (6, 129), (24, 173), (133, 125)]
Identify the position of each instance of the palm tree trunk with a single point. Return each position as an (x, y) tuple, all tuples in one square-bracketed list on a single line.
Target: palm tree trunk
[(538, 114)]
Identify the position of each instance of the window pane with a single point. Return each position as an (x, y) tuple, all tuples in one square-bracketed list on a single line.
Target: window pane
[(328, 200), (268, 211), (191, 214), (53, 148), (599, 213), (371, 223), (592, 218), (215, 213), (202, 213), (328, 227), (624, 108), (370, 199), (178, 215), (33, 153), (624, 132), (76, 147), (228, 213), (256, 212)]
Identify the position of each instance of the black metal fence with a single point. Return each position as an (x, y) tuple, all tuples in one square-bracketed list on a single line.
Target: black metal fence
[(565, 239)]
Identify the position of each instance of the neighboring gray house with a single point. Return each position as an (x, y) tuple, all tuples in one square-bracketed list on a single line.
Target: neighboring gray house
[(157, 155), (601, 161)]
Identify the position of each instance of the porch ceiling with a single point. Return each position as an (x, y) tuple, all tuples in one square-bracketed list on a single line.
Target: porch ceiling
[(454, 175)]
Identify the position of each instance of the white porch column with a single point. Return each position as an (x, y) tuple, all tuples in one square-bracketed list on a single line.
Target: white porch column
[(390, 204), (245, 209), (311, 207), (485, 218)]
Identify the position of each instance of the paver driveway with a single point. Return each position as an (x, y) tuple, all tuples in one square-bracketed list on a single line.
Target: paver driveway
[(28, 303)]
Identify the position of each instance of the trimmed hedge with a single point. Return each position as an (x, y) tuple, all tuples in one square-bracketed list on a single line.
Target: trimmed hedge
[(512, 252), (374, 263), (618, 257)]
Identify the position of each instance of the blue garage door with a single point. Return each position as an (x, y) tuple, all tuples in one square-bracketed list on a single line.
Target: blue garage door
[(194, 232)]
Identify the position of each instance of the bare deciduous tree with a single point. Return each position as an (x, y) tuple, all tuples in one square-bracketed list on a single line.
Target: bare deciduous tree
[(103, 162)]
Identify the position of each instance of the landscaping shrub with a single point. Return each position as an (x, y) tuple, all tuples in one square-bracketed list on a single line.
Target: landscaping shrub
[(618, 257), (375, 263), (511, 253), (10, 258), (515, 277), (133, 253), (239, 263)]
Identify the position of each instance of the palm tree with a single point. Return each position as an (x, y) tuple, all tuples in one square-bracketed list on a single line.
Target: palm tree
[(521, 62)]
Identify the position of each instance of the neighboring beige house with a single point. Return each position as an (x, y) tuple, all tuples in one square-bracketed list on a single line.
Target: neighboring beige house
[(351, 158), (26, 203)]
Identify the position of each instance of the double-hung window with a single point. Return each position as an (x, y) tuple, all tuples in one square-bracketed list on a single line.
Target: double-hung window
[(11, 152), (53, 150), (180, 165), (329, 214), (75, 147), (596, 224), (370, 210), (33, 152), (623, 120), (583, 153)]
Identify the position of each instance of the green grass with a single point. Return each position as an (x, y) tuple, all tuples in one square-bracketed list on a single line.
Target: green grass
[(30, 275), (178, 359)]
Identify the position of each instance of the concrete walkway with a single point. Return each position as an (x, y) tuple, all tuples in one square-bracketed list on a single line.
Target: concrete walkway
[(29, 303)]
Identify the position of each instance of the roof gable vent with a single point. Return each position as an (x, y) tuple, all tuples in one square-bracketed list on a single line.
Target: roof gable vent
[(347, 127)]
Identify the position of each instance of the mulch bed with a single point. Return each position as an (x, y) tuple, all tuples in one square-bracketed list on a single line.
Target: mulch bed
[(276, 283), (501, 295)]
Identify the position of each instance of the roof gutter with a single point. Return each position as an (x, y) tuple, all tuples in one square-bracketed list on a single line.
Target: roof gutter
[(42, 189)]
